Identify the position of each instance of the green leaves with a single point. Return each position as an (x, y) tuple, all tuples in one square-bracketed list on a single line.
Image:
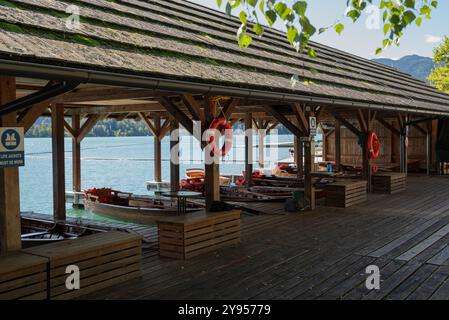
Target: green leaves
[(300, 8), (258, 29), (339, 27), (440, 74), (271, 17), (396, 15), (244, 40)]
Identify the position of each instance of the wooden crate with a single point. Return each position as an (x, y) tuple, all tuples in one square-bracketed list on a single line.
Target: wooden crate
[(23, 276), (345, 193), (389, 182), (104, 259), (194, 234)]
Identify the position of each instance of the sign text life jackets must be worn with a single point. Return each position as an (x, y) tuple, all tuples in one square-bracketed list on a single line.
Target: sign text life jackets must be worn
[(12, 147)]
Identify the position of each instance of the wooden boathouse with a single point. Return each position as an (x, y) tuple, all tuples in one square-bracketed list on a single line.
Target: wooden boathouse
[(169, 63)]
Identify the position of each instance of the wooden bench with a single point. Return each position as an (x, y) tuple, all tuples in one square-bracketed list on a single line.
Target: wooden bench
[(23, 276), (104, 259), (389, 182), (346, 193), (194, 234)]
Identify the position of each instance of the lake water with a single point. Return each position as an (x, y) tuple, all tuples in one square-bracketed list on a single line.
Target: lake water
[(123, 163)]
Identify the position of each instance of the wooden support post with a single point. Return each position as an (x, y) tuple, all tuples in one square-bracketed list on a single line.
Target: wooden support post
[(434, 138), (76, 154), (10, 229), (403, 141), (57, 124), (428, 152), (324, 145), (365, 124), (157, 150), (262, 131), (174, 155), (309, 192), (337, 145), (366, 165), (212, 165), (298, 152), (248, 149)]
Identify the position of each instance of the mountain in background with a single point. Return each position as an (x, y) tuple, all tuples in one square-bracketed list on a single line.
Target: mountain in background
[(417, 66)]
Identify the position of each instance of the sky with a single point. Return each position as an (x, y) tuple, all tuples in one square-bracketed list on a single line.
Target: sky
[(361, 40)]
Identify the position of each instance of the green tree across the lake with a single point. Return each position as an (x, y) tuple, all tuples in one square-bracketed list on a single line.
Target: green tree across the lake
[(440, 75)]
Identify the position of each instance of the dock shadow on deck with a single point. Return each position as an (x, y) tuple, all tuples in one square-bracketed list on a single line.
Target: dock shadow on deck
[(318, 255)]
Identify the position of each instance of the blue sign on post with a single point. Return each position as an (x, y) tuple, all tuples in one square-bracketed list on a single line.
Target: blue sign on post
[(12, 150)]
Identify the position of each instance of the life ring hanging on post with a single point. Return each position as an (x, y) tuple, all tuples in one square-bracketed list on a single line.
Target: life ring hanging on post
[(373, 145), (221, 124)]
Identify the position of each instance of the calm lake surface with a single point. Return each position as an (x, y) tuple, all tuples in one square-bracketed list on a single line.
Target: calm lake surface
[(122, 163)]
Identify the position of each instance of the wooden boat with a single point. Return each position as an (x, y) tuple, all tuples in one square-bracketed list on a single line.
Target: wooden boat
[(195, 180), (124, 206), (242, 194), (38, 232)]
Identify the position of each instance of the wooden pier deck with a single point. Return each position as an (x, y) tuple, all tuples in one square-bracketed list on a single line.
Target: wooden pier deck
[(318, 255)]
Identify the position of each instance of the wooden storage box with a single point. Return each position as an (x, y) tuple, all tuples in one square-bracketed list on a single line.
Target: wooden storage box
[(104, 259), (390, 182), (346, 193), (23, 276), (194, 234)]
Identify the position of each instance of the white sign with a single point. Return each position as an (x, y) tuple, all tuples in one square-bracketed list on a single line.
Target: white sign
[(12, 148), (312, 126)]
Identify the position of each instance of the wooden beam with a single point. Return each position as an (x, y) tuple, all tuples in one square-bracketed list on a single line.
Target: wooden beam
[(114, 109), (300, 116), (165, 128), (362, 120), (57, 124), (194, 107), (76, 154), (104, 94), (149, 125), (256, 124), (272, 126), (419, 128), (69, 130), (389, 126), (177, 114), (29, 116), (347, 124), (400, 121), (10, 223), (229, 109), (282, 119), (87, 126)]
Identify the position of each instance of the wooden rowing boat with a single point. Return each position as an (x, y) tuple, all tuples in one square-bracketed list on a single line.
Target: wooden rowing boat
[(38, 232), (123, 206), (243, 194)]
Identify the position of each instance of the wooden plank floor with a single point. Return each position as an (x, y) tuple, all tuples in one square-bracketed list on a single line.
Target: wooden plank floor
[(318, 255)]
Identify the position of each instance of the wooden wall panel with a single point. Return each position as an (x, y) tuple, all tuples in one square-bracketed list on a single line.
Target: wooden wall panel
[(351, 152)]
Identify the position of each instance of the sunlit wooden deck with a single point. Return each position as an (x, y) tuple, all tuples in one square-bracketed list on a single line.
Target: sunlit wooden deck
[(318, 255)]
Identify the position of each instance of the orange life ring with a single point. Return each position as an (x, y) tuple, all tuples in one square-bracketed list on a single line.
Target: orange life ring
[(373, 145), (221, 124), (375, 168)]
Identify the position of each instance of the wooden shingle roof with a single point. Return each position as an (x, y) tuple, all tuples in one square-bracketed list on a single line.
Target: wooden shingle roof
[(176, 39)]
